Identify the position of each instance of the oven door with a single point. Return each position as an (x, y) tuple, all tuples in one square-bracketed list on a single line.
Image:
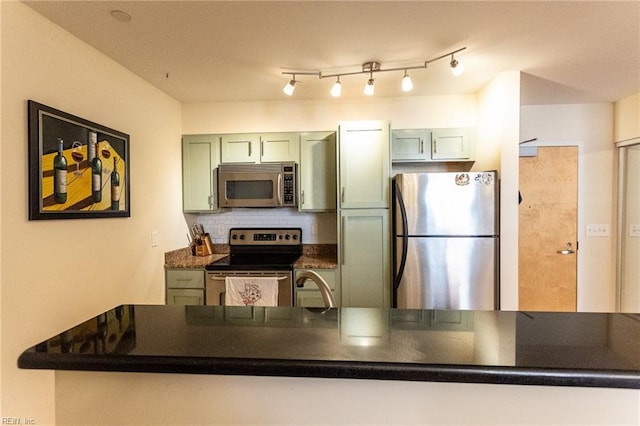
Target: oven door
[(250, 189), (215, 286)]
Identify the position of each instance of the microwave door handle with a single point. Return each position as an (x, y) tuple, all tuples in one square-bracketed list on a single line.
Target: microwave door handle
[(279, 189)]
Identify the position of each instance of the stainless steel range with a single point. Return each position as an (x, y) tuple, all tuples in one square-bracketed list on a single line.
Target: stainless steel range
[(257, 252)]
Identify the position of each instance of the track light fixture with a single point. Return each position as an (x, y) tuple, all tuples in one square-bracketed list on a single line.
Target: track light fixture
[(370, 68), (369, 88), (290, 87), (336, 89), (456, 67), (407, 84)]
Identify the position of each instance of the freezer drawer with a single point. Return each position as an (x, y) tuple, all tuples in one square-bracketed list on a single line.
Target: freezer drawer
[(447, 273)]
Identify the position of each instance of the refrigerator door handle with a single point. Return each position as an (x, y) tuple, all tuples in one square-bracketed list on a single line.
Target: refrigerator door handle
[(405, 238)]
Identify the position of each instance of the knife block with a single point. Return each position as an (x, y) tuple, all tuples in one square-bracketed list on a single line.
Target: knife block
[(204, 247)]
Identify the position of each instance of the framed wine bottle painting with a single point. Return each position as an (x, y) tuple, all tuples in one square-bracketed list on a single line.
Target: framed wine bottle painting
[(77, 168)]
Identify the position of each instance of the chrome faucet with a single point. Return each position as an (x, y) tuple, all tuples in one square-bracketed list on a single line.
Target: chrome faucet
[(325, 290)]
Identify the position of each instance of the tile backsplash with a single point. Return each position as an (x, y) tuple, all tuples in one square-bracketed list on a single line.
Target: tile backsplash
[(218, 225)]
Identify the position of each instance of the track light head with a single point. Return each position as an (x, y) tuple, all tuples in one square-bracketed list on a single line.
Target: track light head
[(336, 89), (456, 67), (290, 87), (407, 84), (369, 88)]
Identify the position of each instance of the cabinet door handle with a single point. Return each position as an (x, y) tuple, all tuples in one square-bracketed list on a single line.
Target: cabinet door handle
[(421, 146), (213, 198), (341, 248), (250, 144), (302, 197), (261, 148), (342, 195)]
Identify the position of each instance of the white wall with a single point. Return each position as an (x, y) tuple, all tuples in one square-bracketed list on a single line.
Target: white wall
[(177, 399), (498, 127), (300, 115), (56, 273), (590, 127), (0, 219)]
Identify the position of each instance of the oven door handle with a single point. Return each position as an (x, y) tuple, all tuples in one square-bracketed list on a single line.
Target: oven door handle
[(221, 278)]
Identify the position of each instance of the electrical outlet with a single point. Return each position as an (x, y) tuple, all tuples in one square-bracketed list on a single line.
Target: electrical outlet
[(154, 238), (220, 230), (634, 230), (598, 230), (314, 229)]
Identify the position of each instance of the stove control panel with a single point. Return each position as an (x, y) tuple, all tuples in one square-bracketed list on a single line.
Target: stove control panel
[(265, 236)]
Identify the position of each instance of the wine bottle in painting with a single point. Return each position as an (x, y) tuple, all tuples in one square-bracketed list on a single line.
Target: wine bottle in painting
[(60, 175), (91, 147), (115, 186), (96, 178)]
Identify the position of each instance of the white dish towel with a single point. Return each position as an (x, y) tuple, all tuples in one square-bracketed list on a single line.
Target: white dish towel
[(251, 291)]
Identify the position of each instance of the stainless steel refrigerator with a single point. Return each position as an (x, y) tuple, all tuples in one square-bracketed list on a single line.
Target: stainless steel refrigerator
[(446, 244)]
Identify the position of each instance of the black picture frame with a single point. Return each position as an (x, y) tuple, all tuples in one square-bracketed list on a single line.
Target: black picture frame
[(73, 186)]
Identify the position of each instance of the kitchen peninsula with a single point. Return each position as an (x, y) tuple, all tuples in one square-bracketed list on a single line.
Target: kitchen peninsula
[(499, 347)]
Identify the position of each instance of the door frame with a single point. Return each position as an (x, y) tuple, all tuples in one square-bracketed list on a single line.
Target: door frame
[(620, 213)]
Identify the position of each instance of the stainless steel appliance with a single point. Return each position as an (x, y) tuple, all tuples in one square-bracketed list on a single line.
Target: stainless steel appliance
[(256, 252), (446, 240), (257, 185)]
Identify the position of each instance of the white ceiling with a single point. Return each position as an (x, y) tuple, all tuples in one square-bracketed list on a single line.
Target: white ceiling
[(204, 51)]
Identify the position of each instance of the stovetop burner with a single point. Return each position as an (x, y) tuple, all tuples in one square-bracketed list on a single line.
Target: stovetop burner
[(261, 249)]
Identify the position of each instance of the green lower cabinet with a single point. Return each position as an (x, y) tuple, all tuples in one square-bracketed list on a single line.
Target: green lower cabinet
[(308, 296), (184, 286), (365, 258), (185, 296)]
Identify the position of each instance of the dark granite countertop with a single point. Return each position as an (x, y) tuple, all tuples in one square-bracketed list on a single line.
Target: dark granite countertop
[(565, 349)]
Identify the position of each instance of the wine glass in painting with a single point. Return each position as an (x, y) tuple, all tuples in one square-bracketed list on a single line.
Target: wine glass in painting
[(77, 155), (105, 151)]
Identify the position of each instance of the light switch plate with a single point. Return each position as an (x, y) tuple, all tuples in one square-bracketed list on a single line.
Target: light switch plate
[(154, 239), (634, 230), (598, 230)]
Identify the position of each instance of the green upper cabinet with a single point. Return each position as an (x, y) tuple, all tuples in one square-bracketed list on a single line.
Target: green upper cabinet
[(317, 169), (259, 148), (452, 145), (364, 153), (240, 148), (411, 145), (433, 145), (200, 159), (277, 147)]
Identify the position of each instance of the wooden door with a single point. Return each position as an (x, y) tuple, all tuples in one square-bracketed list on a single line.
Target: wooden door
[(548, 230)]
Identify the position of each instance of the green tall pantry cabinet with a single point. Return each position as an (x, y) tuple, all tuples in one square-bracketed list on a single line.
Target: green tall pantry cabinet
[(364, 173)]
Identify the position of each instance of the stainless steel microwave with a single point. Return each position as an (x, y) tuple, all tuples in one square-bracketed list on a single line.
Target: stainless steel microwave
[(257, 185)]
